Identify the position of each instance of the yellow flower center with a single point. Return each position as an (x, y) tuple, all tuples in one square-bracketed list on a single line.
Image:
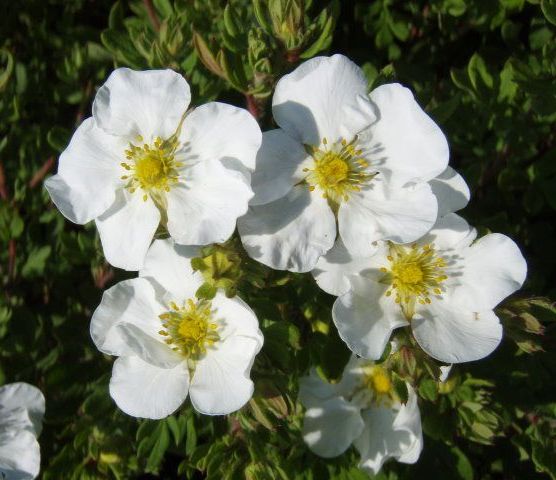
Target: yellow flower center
[(409, 273), (414, 274), (377, 380), (151, 168), (338, 170), (189, 329)]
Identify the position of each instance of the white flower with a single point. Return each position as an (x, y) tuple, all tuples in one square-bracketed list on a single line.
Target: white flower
[(21, 413), (364, 410), (340, 157), (333, 270), (140, 161), (445, 286), (171, 344)]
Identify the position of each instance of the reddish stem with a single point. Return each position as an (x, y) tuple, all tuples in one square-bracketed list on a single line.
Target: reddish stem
[(152, 14), (252, 106), (292, 56), (11, 257), (41, 172), (103, 276), (4, 194)]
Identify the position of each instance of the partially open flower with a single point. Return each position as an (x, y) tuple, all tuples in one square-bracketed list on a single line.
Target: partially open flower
[(21, 414), (172, 344), (342, 160), (363, 410), (445, 286), (142, 160)]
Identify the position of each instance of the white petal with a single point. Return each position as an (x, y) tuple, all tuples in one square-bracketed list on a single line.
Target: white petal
[(204, 207), (334, 269), (451, 191), (221, 383), (455, 335), (145, 391), (236, 318), (278, 163), (493, 268), (323, 97), (22, 395), (365, 318), (127, 228), (389, 433), (409, 419), (150, 103), (20, 456), (313, 390), (330, 427), (148, 348), (378, 441), (169, 265), (412, 147), (218, 131), (130, 301), (451, 233), (381, 212), (290, 233), (89, 173)]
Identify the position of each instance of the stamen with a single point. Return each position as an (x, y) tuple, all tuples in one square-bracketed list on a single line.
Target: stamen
[(152, 168), (415, 271), (338, 170), (377, 380), (190, 328)]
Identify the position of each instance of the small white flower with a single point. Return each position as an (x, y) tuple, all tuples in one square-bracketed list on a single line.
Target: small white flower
[(340, 157), (171, 344), (445, 286), (364, 410), (140, 161), (21, 413)]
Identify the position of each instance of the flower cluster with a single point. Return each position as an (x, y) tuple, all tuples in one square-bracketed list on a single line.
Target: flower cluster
[(353, 187)]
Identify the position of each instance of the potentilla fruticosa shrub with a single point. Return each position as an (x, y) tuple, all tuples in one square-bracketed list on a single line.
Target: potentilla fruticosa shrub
[(277, 239)]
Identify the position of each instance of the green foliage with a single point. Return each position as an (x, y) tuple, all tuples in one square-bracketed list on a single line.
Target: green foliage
[(484, 70)]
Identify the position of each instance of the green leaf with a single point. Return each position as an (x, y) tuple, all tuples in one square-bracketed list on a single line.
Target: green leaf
[(543, 456), (276, 338), (206, 291), (116, 15), (259, 9), (206, 56), (164, 8), (174, 428), (16, 226), (153, 438), (334, 357), (478, 73), (191, 437), (456, 8), (58, 138), (122, 46), (36, 261), (548, 8), (321, 42), (231, 21), (428, 389), (463, 465), (5, 72)]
